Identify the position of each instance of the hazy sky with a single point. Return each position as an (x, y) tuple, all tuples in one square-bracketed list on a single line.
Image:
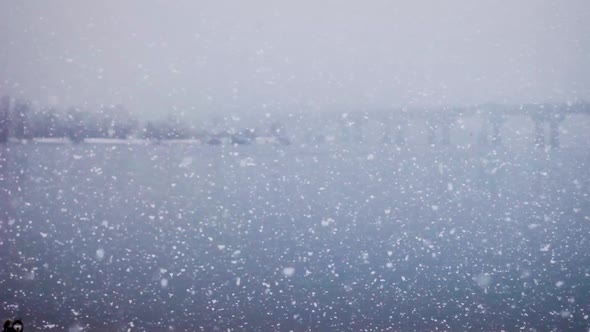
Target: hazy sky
[(158, 56)]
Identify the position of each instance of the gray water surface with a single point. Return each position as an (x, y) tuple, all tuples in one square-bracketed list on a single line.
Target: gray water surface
[(259, 238)]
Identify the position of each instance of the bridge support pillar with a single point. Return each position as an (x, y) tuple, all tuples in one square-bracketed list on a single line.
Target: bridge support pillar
[(496, 136), (541, 120), (387, 130), (439, 130), (358, 130), (445, 130), (554, 123), (431, 132), (496, 120), (395, 130), (400, 137), (482, 137), (394, 133), (539, 140)]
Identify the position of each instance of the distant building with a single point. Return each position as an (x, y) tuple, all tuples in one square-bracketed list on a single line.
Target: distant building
[(4, 118)]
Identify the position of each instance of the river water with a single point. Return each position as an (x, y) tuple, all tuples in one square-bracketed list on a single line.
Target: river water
[(117, 237)]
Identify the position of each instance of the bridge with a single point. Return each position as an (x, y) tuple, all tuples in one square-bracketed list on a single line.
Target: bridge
[(439, 121)]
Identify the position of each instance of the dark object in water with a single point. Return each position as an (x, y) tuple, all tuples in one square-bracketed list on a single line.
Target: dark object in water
[(239, 140), (13, 326), (284, 141), (214, 141), (7, 325)]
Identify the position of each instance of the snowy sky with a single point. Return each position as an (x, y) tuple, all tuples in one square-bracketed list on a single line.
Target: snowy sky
[(159, 56)]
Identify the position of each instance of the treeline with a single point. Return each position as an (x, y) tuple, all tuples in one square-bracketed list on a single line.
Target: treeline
[(19, 120)]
